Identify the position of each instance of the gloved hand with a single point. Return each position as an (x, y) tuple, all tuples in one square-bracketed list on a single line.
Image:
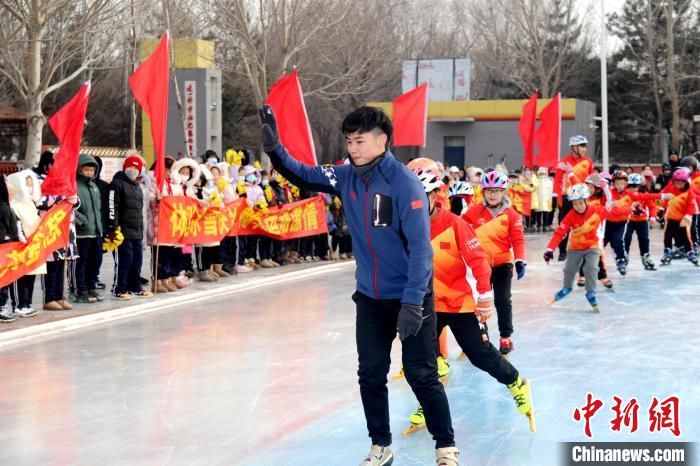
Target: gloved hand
[(548, 255), (520, 268), (268, 129), (410, 320), (484, 309)]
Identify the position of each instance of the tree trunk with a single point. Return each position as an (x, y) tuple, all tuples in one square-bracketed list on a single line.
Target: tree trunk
[(35, 95)]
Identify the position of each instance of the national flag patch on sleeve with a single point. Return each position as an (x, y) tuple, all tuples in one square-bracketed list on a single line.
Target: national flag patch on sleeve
[(444, 245), (417, 204)]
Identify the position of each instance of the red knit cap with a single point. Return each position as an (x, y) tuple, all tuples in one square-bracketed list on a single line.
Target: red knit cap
[(133, 161)]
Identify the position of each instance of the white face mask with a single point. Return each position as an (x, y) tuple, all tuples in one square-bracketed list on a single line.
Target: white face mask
[(212, 160), (132, 173), (250, 178)]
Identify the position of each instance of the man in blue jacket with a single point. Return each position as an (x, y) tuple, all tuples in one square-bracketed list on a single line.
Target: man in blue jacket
[(387, 214)]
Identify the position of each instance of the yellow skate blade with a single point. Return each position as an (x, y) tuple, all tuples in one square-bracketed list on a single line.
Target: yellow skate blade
[(444, 379), (398, 376), (461, 356), (531, 418), (413, 428)]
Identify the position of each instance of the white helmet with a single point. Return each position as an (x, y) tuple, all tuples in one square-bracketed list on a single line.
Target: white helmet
[(577, 140), (579, 191), (461, 188), (428, 173)]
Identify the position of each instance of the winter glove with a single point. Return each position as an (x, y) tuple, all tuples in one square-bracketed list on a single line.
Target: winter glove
[(268, 129), (520, 268), (548, 255), (410, 320), (484, 309)]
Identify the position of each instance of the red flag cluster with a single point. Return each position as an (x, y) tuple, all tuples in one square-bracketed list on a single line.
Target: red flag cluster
[(547, 136), (410, 117)]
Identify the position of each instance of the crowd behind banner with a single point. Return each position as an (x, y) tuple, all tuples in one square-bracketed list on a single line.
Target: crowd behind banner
[(231, 217)]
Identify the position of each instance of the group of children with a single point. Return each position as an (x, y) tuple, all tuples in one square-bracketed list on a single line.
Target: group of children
[(121, 217)]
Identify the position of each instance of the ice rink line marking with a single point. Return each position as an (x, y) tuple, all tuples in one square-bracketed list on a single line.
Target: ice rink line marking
[(51, 329)]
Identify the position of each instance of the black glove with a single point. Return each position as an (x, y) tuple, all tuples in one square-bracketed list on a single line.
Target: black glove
[(520, 269), (548, 255), (410, 320), (268, 129)]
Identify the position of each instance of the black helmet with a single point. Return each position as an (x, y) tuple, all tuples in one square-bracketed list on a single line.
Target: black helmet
[(666, 166), (690, 162)]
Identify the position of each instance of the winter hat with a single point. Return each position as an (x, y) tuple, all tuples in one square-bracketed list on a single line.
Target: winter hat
[(133, 161)]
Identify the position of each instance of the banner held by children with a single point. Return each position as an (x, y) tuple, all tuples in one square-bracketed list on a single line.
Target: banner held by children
[(181, 220), (18, 259)]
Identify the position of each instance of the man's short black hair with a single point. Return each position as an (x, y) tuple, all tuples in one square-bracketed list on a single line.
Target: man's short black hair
[(366, 119)]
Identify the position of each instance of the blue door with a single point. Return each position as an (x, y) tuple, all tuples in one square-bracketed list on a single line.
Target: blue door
[(454, 151)]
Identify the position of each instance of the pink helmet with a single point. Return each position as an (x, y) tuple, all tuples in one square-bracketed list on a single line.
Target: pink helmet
[(495, 180), (681, 174)]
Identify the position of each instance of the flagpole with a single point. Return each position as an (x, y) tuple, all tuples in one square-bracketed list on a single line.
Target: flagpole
[(604, 86)]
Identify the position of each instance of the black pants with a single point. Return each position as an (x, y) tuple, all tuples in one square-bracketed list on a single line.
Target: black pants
[(342, 244), (482, 354), (279, 248), (322, 245), (695, 231), (265, 247), (563, 210), (4, 295), (375, 331), (642, 230), (251, 247), (501, 278), (87, 265), (674, 232), (242, 244), (227, 251), (128, 259), (206, 256), (21, 291), (168, 262), (615, 236), (306, 247), (53, 281)]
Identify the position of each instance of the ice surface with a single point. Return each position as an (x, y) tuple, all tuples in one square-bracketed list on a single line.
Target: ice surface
[(268, 377)]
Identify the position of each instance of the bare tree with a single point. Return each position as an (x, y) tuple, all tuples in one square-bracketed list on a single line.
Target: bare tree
[(48, 43)]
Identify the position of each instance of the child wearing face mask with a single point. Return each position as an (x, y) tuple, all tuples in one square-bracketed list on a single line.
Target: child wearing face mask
[(256, 199), (125, 203), (267, 245), (207, 255), (24, 192)]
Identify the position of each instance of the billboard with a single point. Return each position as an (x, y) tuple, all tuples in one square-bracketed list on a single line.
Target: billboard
[(448, 79)]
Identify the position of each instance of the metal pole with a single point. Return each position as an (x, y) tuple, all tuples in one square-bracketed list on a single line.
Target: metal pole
[(604, 86)]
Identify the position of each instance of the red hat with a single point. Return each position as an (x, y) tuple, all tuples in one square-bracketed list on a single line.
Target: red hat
[(133, 161)]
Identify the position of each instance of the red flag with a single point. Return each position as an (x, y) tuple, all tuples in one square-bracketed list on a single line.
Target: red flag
[(411, 117), (287, 101), (526, 128), (548, 135), (67, 124), (150, 85)]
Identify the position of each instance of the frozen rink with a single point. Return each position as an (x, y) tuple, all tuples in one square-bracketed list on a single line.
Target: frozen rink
[(267, 377)]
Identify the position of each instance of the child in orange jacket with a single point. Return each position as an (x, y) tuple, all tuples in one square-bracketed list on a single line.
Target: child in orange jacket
[(464, 304), (643, 212), (499, 229), (679, 217), (584, 223)]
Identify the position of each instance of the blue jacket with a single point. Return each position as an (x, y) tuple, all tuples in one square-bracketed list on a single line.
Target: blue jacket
[(393, 261)]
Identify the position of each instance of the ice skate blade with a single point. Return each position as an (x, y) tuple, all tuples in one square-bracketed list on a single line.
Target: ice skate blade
[(413, 428), (596, 309), (398, 376), (461, 356), (444, 379), (531, 420)]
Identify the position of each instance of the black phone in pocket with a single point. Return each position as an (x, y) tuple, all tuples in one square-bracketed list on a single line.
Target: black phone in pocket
[(382, 210)]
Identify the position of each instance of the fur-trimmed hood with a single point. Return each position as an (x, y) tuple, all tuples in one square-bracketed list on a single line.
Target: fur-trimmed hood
[(177, 179), (18, 189)]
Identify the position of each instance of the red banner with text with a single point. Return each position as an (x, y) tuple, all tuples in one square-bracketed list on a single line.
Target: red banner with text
[(18, 259), (181, 220)]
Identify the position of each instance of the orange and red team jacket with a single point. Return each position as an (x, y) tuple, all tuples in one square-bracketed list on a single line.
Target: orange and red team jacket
[(500, 236), (461, 271), (581, 168), (683, 203), (586, 228), (626, 198)]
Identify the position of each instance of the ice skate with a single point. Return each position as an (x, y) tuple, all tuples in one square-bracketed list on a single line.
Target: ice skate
[(417, 422), (590, 296), (678, 253), (561, 294), (521, 391), (378, 456), (667, 258), (693, 257), (647, 262), (399, 375), (448, 456), (622, 266), (506, 346), (443, 369)]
